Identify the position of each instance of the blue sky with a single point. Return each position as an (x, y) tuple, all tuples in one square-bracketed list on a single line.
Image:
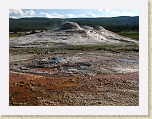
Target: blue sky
[(71, 13)]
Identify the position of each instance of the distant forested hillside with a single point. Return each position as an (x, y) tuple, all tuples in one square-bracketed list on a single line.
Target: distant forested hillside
[(116, 24)]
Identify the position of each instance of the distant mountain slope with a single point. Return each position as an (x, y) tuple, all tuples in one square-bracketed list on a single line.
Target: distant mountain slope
[(23, 24)]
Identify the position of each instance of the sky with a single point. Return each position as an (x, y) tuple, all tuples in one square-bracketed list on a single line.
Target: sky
[(71, 13)]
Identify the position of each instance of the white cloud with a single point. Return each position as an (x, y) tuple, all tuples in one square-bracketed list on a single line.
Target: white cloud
[(124, 13), (110, 12), (104, 10), (29, 13), (70, 16), (16, 13), (89, 14), (56, 15), (53, 15), (45, 15)]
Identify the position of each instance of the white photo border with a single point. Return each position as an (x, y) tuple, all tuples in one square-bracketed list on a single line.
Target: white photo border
[(141, 5)]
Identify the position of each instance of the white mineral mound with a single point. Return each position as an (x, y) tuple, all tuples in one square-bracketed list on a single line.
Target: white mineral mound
[(70, 25), (70, 33)]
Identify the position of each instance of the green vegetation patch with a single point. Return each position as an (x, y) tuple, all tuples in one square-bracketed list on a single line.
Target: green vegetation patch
[(26, 50), (130, 34), (16, 35), (112, 48)]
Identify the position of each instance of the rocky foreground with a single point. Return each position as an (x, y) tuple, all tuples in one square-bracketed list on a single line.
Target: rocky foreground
[(44, 70)]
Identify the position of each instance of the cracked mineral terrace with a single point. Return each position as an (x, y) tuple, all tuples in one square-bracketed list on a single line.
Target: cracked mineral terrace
[(74, 66)]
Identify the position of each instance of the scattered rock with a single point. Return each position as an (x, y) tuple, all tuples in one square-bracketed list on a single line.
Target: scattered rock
[(99, 79), (72, 80), (21, 83)]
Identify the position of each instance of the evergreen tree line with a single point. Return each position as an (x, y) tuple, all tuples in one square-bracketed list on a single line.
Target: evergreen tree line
[(120, 28), (117, 28), (113, 24)]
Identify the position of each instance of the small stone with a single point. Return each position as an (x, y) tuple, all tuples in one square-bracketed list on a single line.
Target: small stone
[(20, 104), (38, 98), (21, 83), (72, 80), (99, 79)]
